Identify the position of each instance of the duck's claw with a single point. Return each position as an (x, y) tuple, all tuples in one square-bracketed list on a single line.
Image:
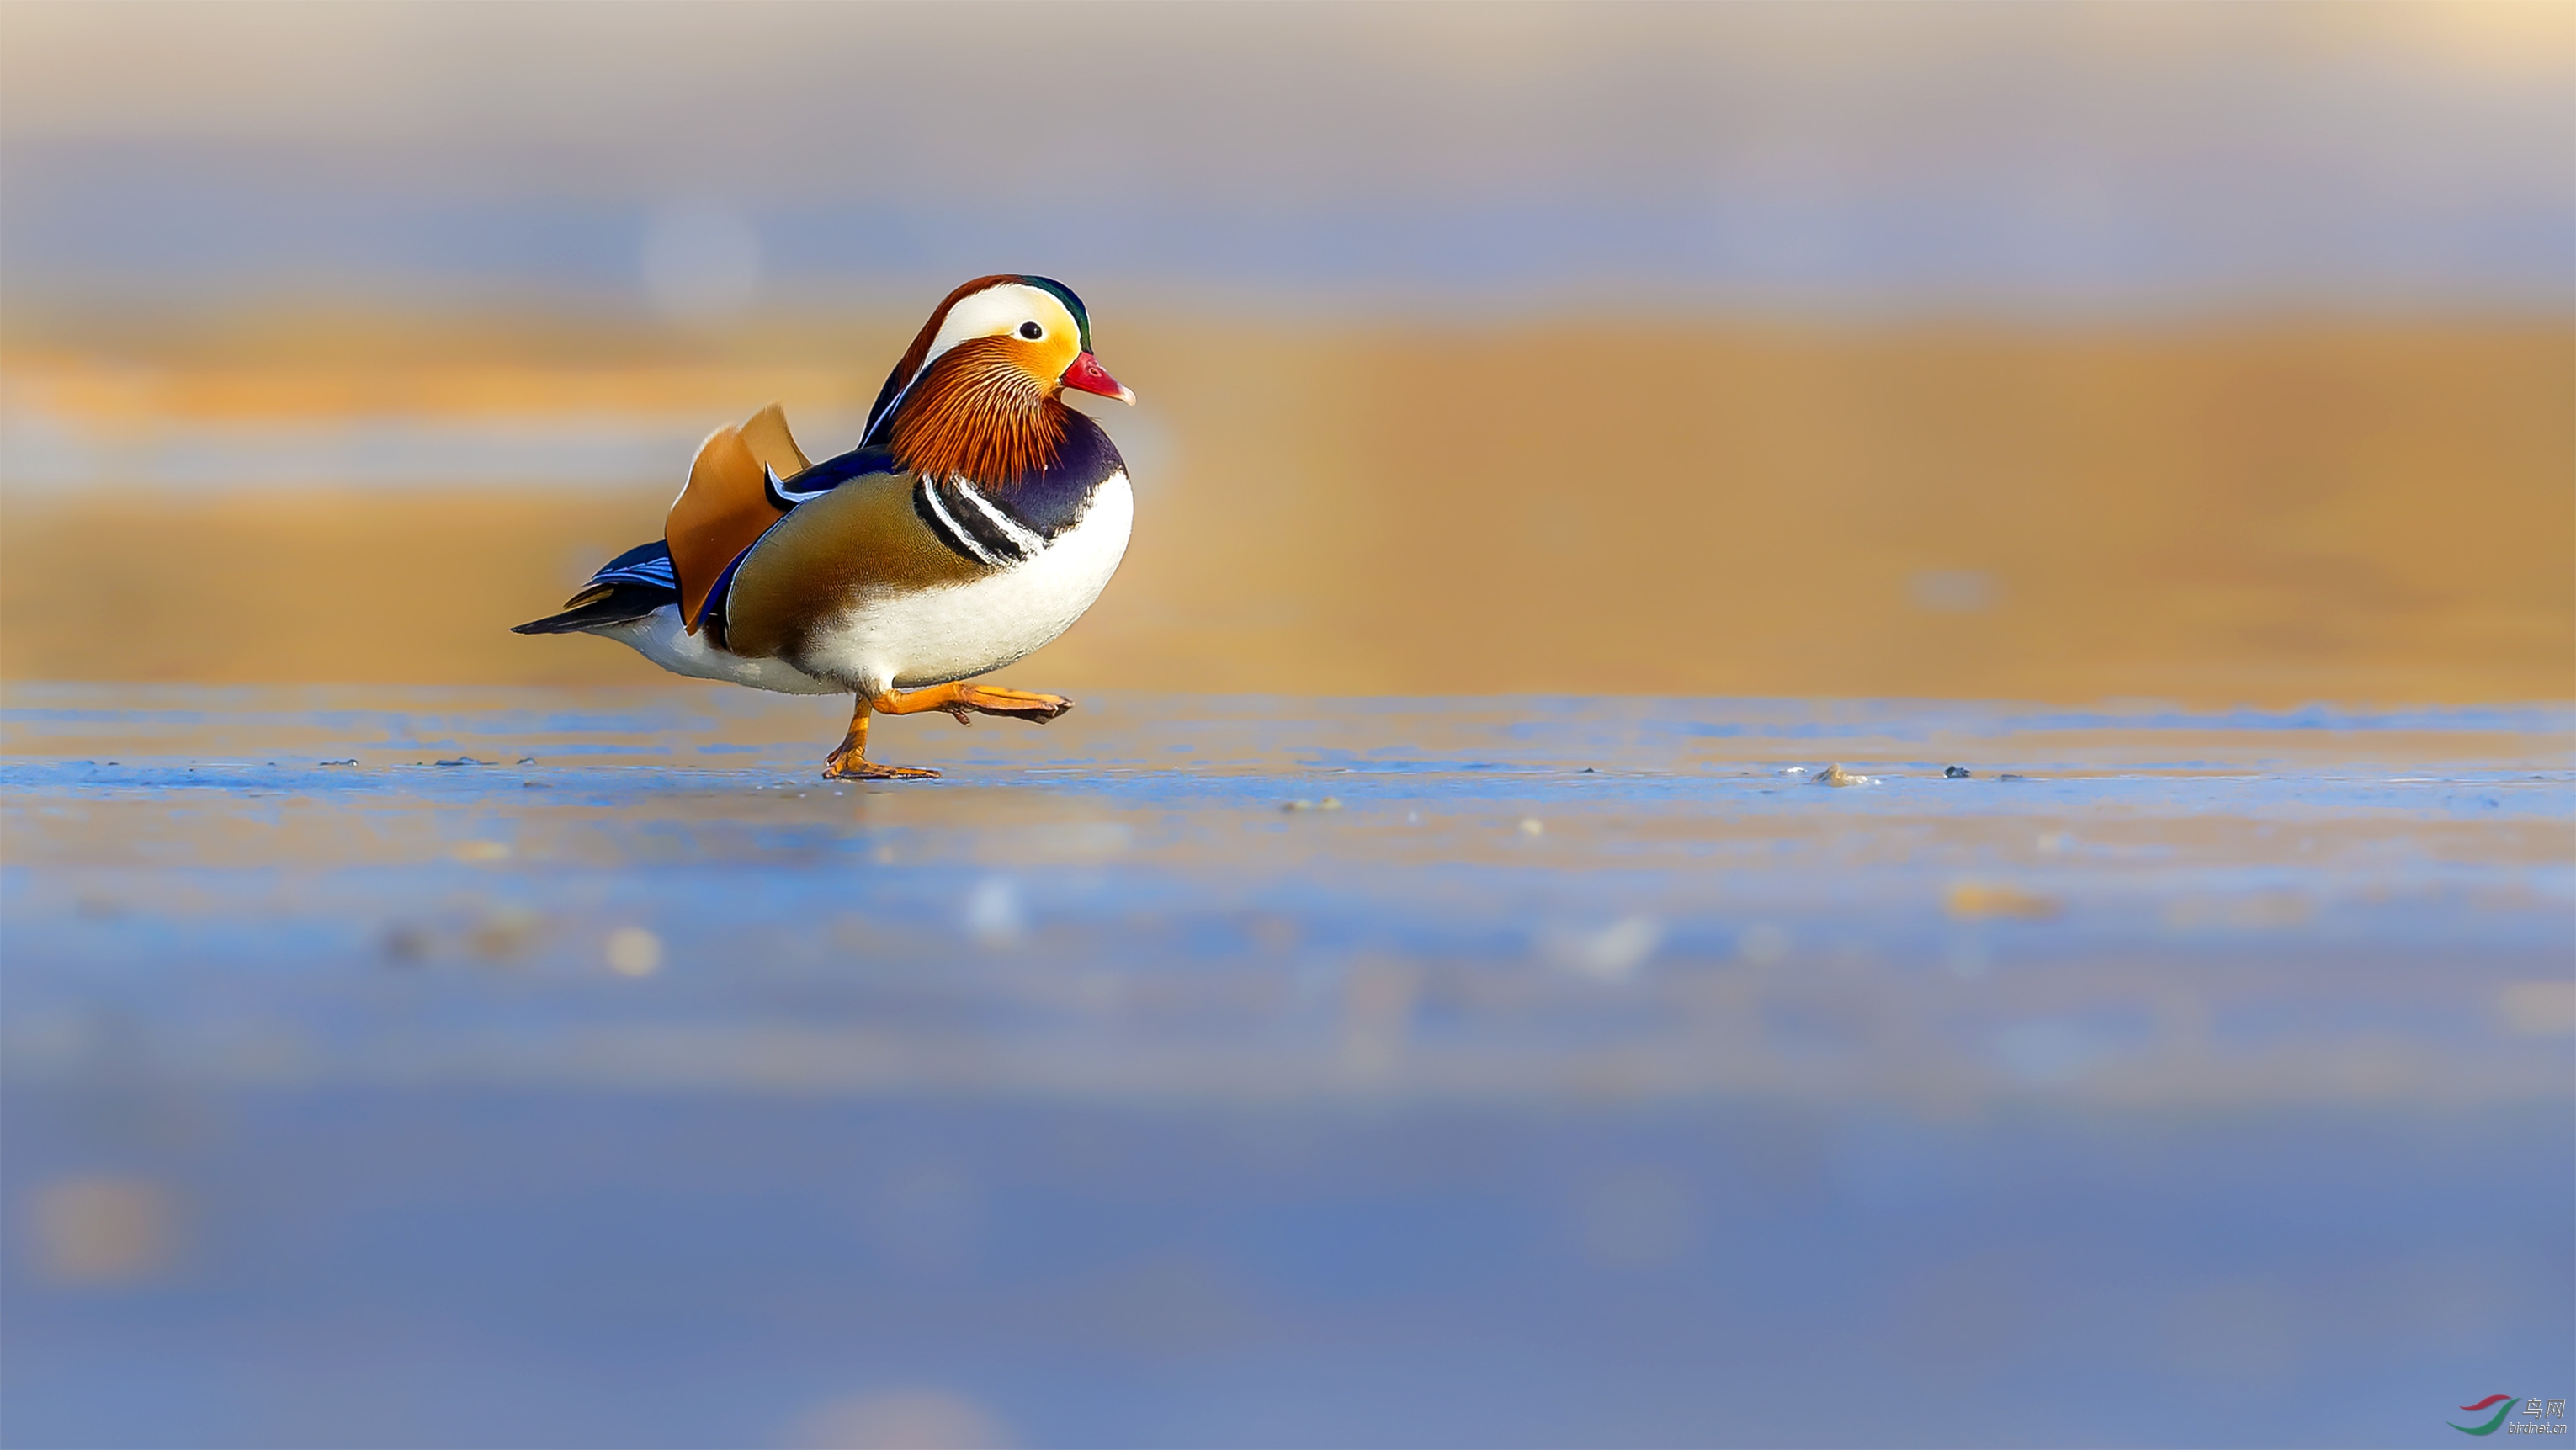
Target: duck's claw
[(960, 700), (1019, 704), (852, 767)]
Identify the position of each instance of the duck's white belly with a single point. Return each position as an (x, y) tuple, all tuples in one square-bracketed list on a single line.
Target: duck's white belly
[(659, 638), (932, 636)]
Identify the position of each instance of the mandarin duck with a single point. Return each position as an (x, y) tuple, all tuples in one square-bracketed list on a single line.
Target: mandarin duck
[(976, 520)]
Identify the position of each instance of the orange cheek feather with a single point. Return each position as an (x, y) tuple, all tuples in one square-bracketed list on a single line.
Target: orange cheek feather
[(981, 413)]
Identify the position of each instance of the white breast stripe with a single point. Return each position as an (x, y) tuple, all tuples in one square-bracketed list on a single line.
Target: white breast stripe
[(956, 534), (1030, 544)]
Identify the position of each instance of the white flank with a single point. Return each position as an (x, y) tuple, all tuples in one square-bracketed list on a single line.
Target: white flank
[(659, 638), (932, 636)]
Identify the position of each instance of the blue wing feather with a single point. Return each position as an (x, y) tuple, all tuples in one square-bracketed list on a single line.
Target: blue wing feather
[(646, 564), (626, 588)]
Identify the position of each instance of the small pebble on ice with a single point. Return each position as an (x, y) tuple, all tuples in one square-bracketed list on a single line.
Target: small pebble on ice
[(1970, 899), (633, 951)]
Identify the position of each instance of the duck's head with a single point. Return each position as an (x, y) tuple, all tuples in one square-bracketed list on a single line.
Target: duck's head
[(1029, 335)]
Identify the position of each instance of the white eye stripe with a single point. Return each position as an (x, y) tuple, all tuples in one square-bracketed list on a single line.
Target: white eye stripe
[(1000, 311)]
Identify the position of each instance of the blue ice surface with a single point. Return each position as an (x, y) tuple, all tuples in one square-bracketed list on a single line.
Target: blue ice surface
[(1267, 1071)]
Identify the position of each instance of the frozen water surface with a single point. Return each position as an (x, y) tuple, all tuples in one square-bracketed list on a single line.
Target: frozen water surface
[(1281, 1071)]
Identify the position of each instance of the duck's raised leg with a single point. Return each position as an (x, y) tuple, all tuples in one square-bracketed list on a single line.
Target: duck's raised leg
[(963, 701), (850, 761)]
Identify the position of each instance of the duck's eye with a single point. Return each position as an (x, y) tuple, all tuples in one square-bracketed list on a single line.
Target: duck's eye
[(1032, 331)]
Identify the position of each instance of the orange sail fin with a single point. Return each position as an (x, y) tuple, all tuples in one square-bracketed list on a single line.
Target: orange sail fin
[(724, 509), (766, 435)]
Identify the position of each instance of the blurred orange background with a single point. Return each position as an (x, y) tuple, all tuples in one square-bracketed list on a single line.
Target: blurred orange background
[(1969, 352)]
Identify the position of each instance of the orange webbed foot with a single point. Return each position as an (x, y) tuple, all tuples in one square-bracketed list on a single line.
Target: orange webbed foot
[(850, 761), (1018, 704), (967, 701), (854, 768)]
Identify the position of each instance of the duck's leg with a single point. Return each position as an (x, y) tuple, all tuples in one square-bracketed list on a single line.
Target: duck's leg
[(962, 701), (850, 761)]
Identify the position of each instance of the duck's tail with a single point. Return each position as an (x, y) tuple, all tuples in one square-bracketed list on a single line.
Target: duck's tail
[(626, 588), (599, 609)]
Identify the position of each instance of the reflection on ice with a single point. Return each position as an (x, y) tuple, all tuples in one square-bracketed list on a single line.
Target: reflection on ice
[(1579, 1061)]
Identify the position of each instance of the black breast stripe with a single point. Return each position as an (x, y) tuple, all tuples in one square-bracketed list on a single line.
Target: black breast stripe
[(987, 526), (998, 525), (994, 525), (945, 526)]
